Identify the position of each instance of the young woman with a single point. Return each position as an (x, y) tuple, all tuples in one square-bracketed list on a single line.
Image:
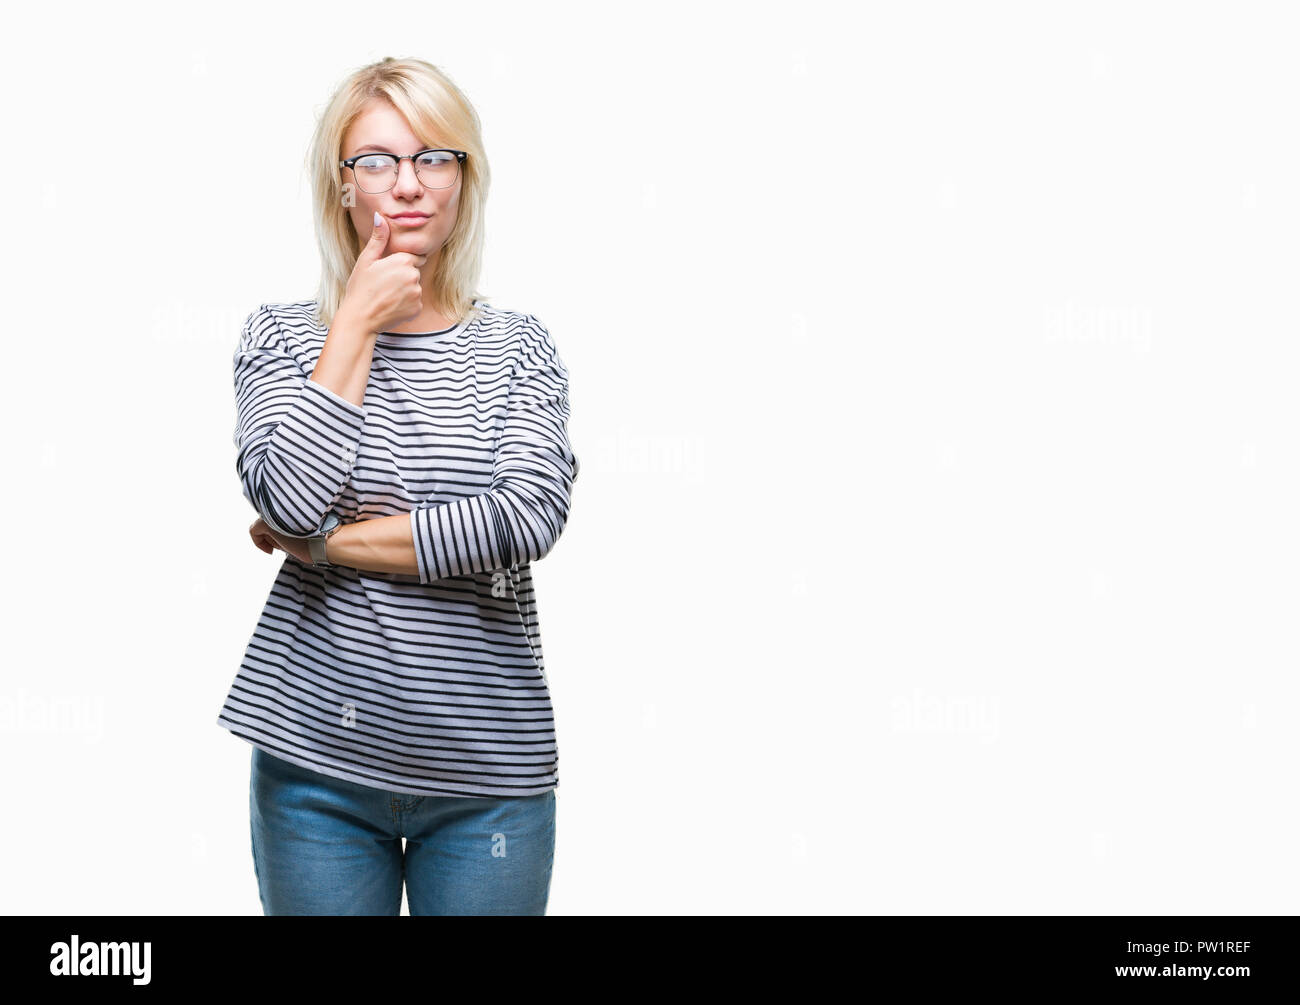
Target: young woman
[(405, 445)]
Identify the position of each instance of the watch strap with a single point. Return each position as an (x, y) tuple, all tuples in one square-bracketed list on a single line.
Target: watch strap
[(316, 543)]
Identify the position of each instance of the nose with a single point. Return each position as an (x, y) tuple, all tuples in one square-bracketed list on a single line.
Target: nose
[(407, 182)]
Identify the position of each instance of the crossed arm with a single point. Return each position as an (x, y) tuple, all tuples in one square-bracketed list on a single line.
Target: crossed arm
[(298, 441), (381, 544)]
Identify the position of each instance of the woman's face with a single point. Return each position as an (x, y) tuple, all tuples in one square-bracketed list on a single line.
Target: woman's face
[(382, 129)]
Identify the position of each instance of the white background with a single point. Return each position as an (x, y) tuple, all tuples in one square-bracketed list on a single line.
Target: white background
[(932, 374)]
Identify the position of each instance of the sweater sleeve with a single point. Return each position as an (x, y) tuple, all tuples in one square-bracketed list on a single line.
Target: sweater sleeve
[(520, 517), (297, 441)]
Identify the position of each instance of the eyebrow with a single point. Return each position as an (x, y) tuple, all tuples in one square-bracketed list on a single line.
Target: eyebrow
[(384, 149)]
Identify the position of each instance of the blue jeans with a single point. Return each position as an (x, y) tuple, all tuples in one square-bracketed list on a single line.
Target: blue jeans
[(324, 845)]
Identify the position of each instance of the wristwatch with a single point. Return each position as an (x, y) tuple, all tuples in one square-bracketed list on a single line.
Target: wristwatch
[(316, 543)]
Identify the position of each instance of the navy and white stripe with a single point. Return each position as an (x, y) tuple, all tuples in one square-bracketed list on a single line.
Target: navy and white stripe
[(431, 683)]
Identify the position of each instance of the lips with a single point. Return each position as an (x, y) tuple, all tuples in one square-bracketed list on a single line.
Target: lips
[(410, 216)]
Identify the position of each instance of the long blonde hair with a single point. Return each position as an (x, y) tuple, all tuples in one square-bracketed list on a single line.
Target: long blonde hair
[(431, 104)]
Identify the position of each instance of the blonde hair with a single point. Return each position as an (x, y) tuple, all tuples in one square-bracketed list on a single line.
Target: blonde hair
[(431, 104)]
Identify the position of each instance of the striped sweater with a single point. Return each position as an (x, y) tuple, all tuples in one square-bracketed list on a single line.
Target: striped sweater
[(432, 683)]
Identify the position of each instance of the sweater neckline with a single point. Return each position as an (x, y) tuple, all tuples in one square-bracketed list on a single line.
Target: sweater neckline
[(424, 338)]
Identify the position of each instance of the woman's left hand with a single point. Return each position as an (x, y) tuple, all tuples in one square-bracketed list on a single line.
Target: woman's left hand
[(268, 540)]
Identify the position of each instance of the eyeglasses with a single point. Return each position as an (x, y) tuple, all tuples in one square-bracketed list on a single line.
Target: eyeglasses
[(377, 173)]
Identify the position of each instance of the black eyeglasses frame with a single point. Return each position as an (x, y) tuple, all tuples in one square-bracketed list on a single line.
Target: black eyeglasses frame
[(397, 161)]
